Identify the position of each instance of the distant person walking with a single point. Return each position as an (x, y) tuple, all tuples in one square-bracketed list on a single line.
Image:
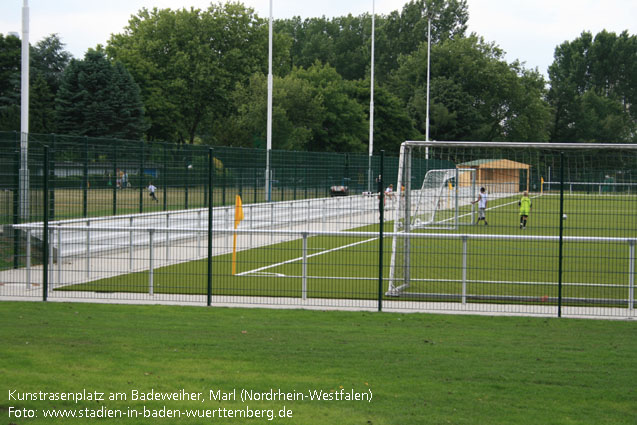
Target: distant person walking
[(525, 209), (151, 192), (482, 206)]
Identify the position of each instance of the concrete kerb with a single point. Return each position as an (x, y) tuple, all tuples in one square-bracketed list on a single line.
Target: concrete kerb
[(326, 304)]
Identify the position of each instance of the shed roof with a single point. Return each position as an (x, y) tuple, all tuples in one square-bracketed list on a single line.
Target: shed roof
[(494, 163)]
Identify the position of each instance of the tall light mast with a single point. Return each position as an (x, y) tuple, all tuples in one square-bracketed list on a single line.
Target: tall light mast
[(428, 78), (268, 185), (24, 117), (371, 103)]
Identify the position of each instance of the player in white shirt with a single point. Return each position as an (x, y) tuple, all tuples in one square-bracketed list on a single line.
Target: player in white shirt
[(151, 192), (482, 206)]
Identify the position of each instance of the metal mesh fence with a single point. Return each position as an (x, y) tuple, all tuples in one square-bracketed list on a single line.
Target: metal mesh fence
[(210, 237)]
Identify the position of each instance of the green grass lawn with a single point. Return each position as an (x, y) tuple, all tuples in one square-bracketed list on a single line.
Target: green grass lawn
[(591, 270), (420, 369)]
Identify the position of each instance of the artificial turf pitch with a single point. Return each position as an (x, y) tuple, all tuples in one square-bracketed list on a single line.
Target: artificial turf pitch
[(512, 268)]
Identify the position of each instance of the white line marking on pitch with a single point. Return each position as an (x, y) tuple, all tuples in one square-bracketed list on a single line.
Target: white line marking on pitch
[(301, 258)]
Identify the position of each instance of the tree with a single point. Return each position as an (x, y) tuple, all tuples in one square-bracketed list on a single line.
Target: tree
[(98, 98), (297, 113), (345, 42), (594, 88), (42, 118), (392, 124), (475, 94), (344, 125), (403, 33), (188, 62), (10, 53), (314, 109), (48, 62), (49, 59)]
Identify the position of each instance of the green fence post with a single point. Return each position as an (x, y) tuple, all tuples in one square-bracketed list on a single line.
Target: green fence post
[(164, 179), (113, 180), (141, 181), (240, 172), (561, 243), (206, 200), (223, 193), (85, 180), (186, 184), (256, 184), (381, 209), (16, 201), (296, 163), (210, 192), (52, 174), (45, 235)]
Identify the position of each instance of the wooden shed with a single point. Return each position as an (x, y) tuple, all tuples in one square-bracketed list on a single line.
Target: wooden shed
[(497, 175)]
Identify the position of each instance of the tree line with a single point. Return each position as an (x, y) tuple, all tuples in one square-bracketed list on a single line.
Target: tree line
[(200, 76)]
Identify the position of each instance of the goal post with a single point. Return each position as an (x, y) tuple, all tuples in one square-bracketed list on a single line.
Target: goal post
[(437, 202), (434, 194), (581, 175)]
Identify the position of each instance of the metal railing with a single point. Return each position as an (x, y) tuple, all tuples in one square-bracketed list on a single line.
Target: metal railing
[(56, 279)]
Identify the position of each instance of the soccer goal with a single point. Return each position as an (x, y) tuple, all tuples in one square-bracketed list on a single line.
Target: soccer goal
[(435, 194)]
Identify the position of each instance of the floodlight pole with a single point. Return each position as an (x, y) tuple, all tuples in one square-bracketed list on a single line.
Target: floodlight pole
[(371, 103), (428, 78), (268, 186), (24, 117)]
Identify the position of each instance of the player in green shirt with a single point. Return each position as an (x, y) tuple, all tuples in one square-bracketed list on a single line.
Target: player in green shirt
[(525, 209)]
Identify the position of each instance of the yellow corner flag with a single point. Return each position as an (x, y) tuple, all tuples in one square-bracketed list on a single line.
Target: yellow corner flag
[(238, 211), (238, 216)]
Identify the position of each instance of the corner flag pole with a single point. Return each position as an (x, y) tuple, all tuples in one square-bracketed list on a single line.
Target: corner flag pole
[(238, 216), (24, 117)]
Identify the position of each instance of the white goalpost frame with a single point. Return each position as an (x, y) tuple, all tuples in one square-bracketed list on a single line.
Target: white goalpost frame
[(428, 202), (429, 199), (398, 284)]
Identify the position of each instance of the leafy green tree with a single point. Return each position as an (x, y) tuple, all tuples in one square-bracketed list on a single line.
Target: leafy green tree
[(475, 94), (10, 54), (392, 123), (313, 109), (342, 42), (594, 88), (188, 63), (42, 118), (402, 33), (49, 59), (48, 62), (345, 42), (97, 98), (344, 126), (296, 112)]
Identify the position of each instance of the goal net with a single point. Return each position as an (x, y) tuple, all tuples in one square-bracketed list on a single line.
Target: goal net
[(435, 194)]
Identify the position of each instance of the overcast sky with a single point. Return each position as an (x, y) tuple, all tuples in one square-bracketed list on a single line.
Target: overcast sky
[(526, 30)]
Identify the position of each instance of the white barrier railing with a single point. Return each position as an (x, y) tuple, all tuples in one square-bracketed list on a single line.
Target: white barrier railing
[(151, 262), (601, 187), (99, 237)]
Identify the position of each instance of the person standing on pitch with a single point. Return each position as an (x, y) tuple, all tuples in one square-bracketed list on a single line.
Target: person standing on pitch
[(482, 206), (525, 209), (151, 192)]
